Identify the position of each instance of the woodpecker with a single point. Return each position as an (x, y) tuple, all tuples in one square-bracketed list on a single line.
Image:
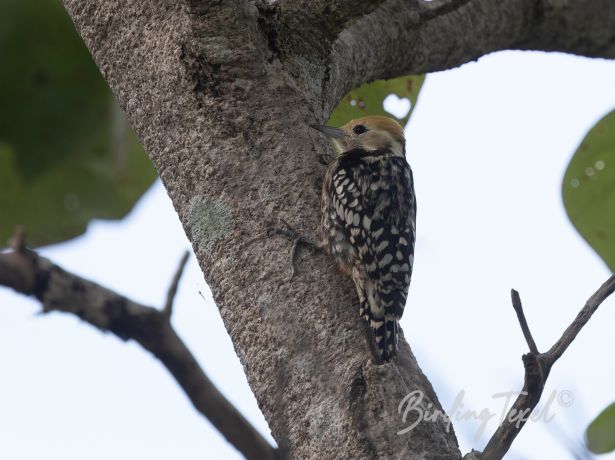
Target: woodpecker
[(368, 220)]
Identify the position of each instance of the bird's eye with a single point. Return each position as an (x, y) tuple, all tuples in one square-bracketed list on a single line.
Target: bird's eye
[(359, 129)]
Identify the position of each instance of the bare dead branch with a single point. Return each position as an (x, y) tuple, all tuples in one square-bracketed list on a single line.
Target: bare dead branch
[(516, 301), (537, 367), (582, 318), (168, 306), (59, 290)]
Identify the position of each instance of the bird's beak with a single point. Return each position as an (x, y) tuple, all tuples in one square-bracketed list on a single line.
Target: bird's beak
[(332, 133)]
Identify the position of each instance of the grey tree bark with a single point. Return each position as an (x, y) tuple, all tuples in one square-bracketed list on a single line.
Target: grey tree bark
[(221, 94)]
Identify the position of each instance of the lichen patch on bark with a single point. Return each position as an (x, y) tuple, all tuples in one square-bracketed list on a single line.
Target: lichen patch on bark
[(210, 220)]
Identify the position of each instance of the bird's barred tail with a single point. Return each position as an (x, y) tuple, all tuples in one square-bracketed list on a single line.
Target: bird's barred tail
[(384, 331)]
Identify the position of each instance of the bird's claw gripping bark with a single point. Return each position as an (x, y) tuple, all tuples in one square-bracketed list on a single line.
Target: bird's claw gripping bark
[(285, 229)]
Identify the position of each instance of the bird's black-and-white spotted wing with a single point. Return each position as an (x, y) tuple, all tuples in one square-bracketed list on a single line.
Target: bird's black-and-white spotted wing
[(372, 229)]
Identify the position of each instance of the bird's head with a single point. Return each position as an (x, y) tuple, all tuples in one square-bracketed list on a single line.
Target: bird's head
[(367, 133)]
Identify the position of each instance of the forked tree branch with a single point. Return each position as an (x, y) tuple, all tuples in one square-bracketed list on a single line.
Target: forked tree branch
[(58, 290), (537, 367), (221, 95)]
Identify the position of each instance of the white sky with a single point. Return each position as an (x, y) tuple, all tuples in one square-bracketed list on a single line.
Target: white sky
[(488, 143)]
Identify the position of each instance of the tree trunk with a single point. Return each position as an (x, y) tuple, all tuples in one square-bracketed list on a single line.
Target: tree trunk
[(221, 94)]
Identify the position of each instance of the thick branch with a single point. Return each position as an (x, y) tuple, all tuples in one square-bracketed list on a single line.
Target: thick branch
[(221, 95), (537, 368), (404, 37), (58, 290)]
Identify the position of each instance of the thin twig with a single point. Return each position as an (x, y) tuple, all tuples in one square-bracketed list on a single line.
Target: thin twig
[(168, 306), (18, 242), (537, 367), (516, 301), (59, 290), (582, 318)]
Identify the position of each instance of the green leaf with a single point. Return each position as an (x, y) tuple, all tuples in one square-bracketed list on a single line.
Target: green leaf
[(600, 434), (368, 99), (67, 154), (589, 189)]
